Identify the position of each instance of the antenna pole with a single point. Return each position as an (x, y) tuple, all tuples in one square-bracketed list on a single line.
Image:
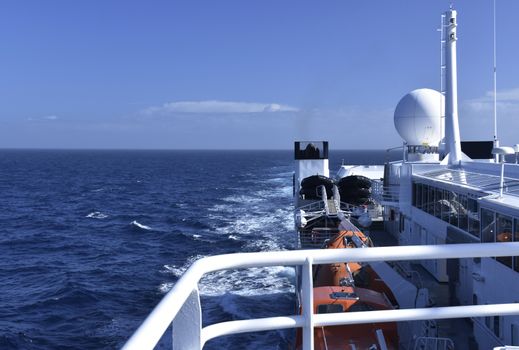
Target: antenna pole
[(496, 141), (442, 83), (452, 129)]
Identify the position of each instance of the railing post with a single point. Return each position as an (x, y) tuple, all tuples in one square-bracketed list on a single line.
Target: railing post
[(187, 325), (308, 305), (381, 340)]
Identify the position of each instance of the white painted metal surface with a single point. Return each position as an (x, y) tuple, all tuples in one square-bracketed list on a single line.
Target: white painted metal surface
[(150, 332), (452, 129), (417, 117), (385, 195), (254, 325), (502, 151), (373, 172), (187, 325), (381, 340)]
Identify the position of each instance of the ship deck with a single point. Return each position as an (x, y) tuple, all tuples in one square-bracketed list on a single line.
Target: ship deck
[(460, 331)]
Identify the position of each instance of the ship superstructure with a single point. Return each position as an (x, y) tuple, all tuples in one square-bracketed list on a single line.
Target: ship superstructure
[(442, 196), (450, 209), (323, 202)]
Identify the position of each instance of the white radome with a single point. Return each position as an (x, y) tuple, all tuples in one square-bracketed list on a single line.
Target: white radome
[(417, 117)]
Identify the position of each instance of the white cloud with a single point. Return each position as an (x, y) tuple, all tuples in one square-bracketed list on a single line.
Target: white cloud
[(477, 121), (507, 101), (217, 107), (47, 117)]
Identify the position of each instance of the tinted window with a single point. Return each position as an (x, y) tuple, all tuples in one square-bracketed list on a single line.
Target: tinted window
[(438, 196), (504, 234), (473, 215), (419, 195), (359, 306), (516, 239), (463, 213), (488, 224), (329, 308), (453, 217), (447, 207), (430, 200)]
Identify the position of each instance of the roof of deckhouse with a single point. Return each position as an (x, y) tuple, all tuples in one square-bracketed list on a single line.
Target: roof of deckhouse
[(483, 177)]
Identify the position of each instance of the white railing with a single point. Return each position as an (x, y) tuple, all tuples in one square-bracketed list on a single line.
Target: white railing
[(433, 343), (181, 306), (385, 194)]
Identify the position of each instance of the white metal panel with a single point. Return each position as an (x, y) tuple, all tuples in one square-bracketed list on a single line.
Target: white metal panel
[(308, 305), (244, 326), (187, 325)]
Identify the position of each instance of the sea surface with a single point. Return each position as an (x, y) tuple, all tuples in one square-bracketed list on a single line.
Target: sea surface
[(92, 240)]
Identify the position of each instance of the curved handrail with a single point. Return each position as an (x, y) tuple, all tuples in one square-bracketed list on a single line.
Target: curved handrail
[(152, 329)]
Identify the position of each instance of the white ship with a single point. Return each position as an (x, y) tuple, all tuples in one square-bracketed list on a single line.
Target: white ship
[(452, 211)]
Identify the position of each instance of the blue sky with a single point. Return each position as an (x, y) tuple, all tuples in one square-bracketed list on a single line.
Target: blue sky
[(241, 74)]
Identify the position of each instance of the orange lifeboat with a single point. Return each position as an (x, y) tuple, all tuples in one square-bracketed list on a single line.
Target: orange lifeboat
[(351, 287)]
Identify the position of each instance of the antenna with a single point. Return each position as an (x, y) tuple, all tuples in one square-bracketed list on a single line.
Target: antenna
[(442, 31), (496, 141), (452, 129)]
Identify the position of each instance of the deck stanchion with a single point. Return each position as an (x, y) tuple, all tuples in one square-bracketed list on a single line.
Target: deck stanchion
[(308, 306)]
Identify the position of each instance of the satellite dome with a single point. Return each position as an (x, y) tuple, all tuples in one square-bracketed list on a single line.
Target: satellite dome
[(417, 117)]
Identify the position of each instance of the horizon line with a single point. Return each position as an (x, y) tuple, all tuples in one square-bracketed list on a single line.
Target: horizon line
[(173, 149)]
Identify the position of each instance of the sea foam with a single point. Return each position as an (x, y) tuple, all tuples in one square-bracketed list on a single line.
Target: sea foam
[(97, 215), (139, 225)]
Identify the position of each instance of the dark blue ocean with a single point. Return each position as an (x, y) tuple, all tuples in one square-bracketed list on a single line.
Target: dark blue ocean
[(92, 240)]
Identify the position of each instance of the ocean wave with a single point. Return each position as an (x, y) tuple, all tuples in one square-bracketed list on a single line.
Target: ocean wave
[(260, 222), (96, 215), (166, 287), (177, 271), (243, 307), (249, 209), (243, 199), (278, 192), (248, 282), (135, 223)]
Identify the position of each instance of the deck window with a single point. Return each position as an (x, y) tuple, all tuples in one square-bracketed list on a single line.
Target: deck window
[(446, 206), (329, 308), (497, 326), (415, 185), (429, 207), (504, 234), (438, 196), (419, 195), (454, 205), (454, 208), (516, 239), (472, 213), (360, 306), (488, 223), (463, 212), (425, 197)]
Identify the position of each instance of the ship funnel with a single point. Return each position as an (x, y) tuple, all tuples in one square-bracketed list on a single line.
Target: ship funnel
[(311, 159)]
